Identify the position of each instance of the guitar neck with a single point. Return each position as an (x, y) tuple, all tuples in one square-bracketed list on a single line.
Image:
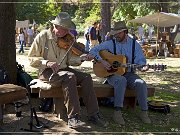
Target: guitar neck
[(135, 66), (127, 65)]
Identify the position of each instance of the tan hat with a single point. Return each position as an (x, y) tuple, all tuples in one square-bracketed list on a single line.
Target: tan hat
[(118, 27), (63, 19)]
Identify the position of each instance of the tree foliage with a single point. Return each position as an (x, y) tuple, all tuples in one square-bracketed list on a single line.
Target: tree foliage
[(41, 11), (84, 12), (135, 8)]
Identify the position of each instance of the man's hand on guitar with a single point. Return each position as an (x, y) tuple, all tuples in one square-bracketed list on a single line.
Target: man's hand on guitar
[(53, 65), (87, 57), (106, 64)]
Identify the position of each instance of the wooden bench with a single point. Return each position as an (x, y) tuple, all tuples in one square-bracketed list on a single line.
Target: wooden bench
[(10, 93), (101, 90)]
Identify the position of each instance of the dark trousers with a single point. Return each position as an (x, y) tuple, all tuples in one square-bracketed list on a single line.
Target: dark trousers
[(68, 79)]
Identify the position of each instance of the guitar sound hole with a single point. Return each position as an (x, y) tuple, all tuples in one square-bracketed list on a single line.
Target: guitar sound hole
[(116, 64), (112, 70)]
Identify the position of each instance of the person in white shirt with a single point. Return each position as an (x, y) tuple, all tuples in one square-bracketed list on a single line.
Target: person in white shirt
[(25, 34), (150, 31), (140, 32), (21, 40), (30, 35)]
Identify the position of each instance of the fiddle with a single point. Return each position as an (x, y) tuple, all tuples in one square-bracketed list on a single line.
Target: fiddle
[(78, 49), (66, 41)]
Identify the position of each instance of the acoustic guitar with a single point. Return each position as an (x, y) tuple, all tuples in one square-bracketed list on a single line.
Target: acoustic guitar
[(119, 65)]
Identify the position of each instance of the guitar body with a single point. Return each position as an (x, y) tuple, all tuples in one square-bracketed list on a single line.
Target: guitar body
[(100, 71)]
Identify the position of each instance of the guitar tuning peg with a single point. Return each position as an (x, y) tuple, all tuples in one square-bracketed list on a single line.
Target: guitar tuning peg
[(158, 67), (163, 67), (155, 67), (147, 65)]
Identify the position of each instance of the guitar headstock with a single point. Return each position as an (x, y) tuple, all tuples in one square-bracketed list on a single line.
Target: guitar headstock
[(158, 67)]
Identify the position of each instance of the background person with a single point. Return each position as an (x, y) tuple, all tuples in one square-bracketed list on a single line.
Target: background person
[(140, 32), (150, 32), (108, 37), (93, 35), (21, 40), (98, 32), (25, 33), (86, 36), (30, 34)]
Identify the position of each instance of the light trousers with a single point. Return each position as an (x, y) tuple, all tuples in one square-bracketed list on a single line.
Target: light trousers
[(132, 81)]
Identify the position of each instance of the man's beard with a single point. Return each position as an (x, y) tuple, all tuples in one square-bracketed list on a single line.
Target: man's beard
[(120, 39)]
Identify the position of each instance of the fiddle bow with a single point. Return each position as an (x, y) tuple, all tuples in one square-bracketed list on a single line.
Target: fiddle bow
[(70, 47)]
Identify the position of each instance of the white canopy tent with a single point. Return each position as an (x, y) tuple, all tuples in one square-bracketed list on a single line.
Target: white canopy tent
[(22, 24), (160, 19)]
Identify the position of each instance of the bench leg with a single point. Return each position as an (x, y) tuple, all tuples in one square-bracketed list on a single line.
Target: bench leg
[(1, 114), (59, 108)]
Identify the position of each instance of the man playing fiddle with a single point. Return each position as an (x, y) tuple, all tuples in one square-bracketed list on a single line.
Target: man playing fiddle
[(53, 62)]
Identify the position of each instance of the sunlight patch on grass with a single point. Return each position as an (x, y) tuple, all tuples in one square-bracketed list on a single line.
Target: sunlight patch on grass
[(34, 75), (166, 96)]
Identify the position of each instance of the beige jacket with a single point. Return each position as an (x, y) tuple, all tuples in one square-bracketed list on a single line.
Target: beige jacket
[(37, 57)]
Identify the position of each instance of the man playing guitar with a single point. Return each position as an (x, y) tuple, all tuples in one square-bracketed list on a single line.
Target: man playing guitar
[(122, 44)]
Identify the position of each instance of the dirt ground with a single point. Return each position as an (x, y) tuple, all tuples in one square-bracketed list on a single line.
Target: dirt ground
[(53, 125)]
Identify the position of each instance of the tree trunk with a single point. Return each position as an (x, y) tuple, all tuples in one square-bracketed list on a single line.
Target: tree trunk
[(106, 17), (7, 39)]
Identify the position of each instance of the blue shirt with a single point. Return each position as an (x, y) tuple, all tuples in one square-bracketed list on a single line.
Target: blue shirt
[(124, 48), (92, 31)]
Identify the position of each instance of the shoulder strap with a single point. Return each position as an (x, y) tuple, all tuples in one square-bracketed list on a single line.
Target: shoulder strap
[(114, 46), (133, 50)]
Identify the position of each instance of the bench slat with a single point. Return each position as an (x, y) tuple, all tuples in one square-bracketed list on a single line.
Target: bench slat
[(10, 93), (101, 90)]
